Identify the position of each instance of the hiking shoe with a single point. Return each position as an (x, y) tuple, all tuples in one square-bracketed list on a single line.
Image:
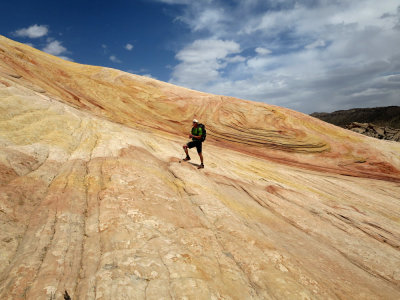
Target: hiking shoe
[(200, 167), (186, 158)]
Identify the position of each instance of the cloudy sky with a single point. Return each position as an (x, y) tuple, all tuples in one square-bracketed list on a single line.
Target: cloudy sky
[(307, 55)]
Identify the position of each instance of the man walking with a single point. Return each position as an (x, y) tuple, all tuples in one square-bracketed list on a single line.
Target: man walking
[(196, 136)]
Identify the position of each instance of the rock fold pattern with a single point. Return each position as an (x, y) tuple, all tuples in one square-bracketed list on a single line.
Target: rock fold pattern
[(95, 202)]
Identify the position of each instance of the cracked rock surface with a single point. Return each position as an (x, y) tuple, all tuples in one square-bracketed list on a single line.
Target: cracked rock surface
[(95, 201)]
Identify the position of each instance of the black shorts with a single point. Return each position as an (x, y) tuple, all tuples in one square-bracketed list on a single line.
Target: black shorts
[(197, 144)]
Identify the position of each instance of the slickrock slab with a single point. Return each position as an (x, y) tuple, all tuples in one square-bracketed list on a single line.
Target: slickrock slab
[(143, 103), (95, 201)]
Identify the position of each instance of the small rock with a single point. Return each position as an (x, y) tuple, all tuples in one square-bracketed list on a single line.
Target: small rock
[(14, 75)]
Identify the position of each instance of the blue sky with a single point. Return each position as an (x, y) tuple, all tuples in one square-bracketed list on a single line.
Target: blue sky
[(307, 55)]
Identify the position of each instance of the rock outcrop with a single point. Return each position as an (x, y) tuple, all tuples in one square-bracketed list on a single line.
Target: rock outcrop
[(96, 204), (387, 116), (372, 130)]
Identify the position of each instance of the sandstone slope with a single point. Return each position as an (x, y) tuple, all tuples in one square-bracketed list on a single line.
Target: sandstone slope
[(94, 201)]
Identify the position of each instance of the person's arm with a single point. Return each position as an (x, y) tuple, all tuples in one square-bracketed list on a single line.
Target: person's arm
[(195, 136)]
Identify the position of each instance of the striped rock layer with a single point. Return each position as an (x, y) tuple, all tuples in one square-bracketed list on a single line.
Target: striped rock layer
[(95, 201)]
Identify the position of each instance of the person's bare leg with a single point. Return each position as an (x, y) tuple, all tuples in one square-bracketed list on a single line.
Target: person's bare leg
[(186, 151), (201, 157)]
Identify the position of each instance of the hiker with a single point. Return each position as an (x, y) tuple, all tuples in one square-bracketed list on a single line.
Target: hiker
[(197, 136)]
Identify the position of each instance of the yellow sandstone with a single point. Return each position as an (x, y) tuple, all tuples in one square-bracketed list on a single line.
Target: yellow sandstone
[(95, 202)]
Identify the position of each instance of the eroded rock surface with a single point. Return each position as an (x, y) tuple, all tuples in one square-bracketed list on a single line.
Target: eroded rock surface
[(95, 201), (387, 116), (372, 130)]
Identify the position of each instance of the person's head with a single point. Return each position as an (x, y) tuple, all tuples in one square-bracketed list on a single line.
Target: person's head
[(195, 123)]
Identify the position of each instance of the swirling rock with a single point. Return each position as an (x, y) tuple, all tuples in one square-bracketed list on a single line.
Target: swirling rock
[(96, 204)]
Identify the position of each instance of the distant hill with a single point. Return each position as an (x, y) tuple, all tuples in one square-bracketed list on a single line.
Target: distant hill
[(382, 116)]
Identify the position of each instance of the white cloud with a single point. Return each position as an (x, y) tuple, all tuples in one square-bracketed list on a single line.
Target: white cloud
[(201, 61), (204, 50), (316, 44), (205, 16), (149, 76), (34, 31), (66, 58), (235, 59), (209, 18), (262, 51), (55, 48), (274, 22), (128, 47), (315, 55), (114, 59)]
